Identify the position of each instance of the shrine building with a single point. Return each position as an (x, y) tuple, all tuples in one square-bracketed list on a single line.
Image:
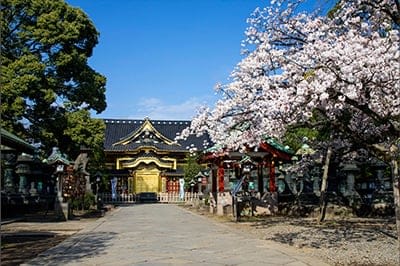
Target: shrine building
[(144, 156)]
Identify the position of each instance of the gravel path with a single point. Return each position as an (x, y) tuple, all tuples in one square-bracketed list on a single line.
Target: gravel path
[(355, 241)]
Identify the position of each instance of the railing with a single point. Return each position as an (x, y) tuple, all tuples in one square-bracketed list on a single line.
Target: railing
[(119, 198), (163, 197)]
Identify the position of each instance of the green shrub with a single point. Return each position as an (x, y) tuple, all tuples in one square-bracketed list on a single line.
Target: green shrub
[(76, 204), (88, 200), (207, 200)]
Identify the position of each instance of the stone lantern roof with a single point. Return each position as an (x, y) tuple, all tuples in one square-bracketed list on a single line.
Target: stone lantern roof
[(56, 157)]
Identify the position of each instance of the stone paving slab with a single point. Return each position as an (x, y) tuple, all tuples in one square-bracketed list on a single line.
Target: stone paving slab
[(157, 234)]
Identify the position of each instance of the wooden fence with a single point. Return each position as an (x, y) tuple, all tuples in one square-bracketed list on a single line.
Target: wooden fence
[(118, 199), (163, 197)]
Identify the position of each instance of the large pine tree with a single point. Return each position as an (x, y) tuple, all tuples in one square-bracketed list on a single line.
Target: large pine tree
[(45, 76)]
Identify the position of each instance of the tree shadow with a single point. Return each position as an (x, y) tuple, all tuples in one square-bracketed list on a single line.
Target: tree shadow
[(74, 248), (19, 247), (331, 234)]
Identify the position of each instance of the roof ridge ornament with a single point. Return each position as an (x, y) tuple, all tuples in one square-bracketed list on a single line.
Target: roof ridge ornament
[(148, 129)]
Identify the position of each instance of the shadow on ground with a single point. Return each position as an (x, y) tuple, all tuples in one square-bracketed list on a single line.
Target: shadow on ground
[(18, 248), (48, 248), (78, 246), (329, 234)]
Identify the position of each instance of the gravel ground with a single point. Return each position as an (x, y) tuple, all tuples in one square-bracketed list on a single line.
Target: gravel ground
[(350, 241)]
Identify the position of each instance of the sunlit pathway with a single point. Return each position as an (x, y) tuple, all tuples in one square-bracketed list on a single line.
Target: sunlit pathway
[(165, 235)]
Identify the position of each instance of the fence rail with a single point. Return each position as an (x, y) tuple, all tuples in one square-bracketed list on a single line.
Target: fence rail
[(163, 197), (176, 197), (119, 198)]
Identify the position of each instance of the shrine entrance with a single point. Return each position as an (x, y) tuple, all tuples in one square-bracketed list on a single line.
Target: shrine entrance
[(146, 180)]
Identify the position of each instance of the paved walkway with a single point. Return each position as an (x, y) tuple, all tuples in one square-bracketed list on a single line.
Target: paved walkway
[(157, 234)]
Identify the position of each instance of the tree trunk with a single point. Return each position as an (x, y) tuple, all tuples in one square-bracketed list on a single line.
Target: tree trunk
[(324, 185), (396, 195)]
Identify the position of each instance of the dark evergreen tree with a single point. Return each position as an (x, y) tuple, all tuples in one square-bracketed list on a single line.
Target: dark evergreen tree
[(46, 81)]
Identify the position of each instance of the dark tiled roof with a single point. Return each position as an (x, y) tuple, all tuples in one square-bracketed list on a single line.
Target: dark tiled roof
[(12, 141), (120, 129)]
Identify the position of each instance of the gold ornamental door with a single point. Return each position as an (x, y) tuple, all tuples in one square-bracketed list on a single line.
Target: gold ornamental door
[(147, 180)]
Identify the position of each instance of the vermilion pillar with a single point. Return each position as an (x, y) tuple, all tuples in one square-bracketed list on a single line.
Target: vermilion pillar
[(272, 183), (260, 178), (220, 175)]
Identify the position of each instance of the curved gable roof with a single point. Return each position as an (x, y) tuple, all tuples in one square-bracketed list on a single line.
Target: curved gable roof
[(146, 128)]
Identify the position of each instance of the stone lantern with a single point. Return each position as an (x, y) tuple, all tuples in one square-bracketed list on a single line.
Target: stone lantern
[(59, 161), (36, 173), (9, 186), (23, 169), (305, 152), (350, 169), (381, 196), (380, 167), (199, 178)]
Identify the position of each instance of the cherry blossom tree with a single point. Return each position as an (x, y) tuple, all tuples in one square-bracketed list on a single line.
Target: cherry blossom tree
[(345, 66)]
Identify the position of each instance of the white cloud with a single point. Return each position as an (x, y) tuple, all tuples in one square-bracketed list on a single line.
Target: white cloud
[(156, 108)]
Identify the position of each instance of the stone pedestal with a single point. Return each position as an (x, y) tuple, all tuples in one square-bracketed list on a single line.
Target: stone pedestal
[(22, 184), (63, 210), (211, 209), (33, 190), (213, 204), (87, 183), (224, 199), (348, 190), (59, 187), (9, 185), (270, 201), (220, 209)]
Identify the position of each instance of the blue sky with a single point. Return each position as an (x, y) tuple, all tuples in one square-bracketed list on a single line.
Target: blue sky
[(162, 58)]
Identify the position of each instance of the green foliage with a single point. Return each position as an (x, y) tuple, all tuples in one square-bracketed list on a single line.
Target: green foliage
[(332, 12), (83, 130), (207, 200), (84, 203), (309, 74), (45, 76), (191, 169), (317, 130), (76, 204), (88, 200), (294, 137)]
